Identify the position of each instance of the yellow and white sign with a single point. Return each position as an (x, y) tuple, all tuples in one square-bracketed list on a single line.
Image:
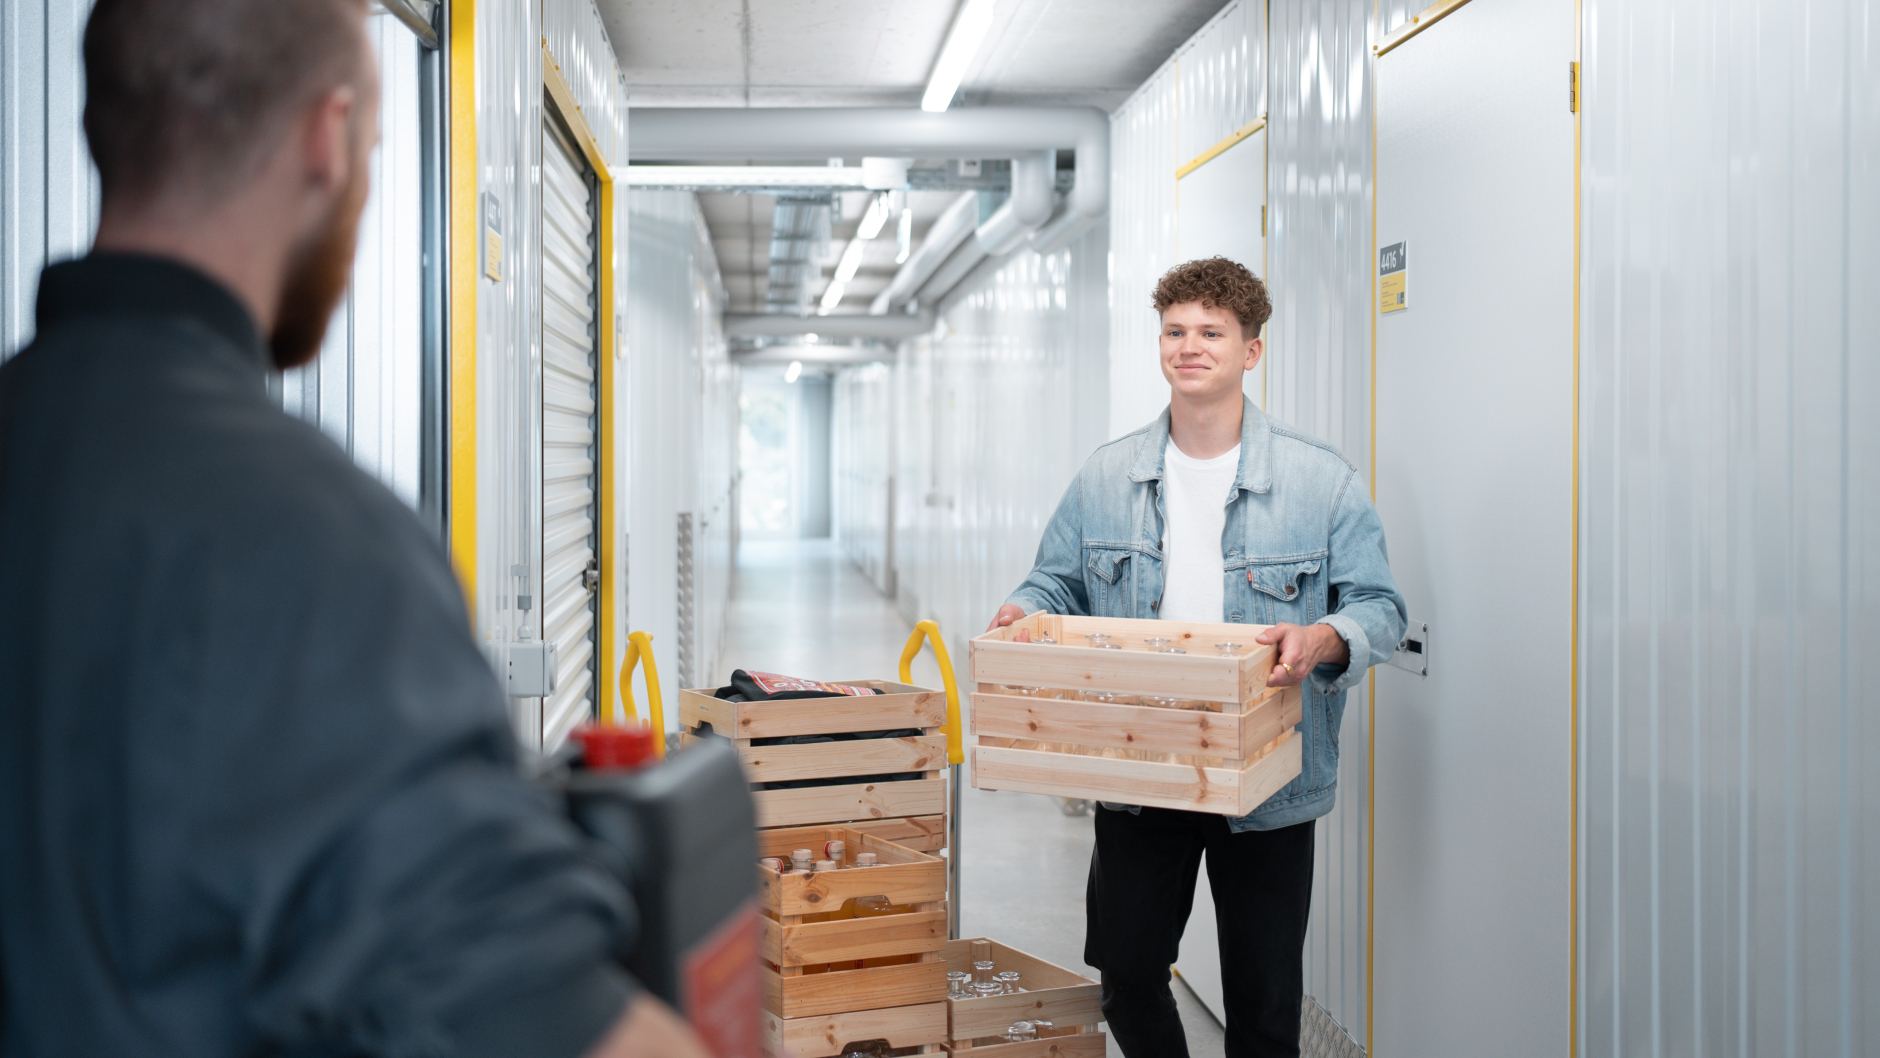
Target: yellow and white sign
[(1393, 277)]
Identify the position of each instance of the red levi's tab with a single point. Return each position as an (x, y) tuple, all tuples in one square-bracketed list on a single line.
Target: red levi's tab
[(771, 683)]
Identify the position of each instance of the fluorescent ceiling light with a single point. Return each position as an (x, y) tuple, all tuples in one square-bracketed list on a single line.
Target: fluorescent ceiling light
[(793, 372), (968, 32), (904, 236), (872, 222)]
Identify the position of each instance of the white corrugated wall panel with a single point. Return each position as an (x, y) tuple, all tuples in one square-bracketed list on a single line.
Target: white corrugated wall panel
[(569, 424), (1730, 387), (1144, 153), (684, 416), (1318, 378), (48, 186), (1221, 71)]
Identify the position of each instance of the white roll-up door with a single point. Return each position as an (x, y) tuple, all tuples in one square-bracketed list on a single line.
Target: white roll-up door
[(569, 568)]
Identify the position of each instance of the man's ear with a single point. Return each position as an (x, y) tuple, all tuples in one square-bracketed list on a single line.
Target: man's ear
[(328, 142), (1255, 349)]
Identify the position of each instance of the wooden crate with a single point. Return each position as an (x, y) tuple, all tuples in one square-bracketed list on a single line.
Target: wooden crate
[(812, 1015), (1227, 762), (907, 812), (1071, 1002)]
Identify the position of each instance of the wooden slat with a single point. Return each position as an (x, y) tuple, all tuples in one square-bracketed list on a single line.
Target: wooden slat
[(825, 1037), (850, 801), (1277, 713), (1079, 1045), (828, 760), (1082, 668), (842, 990), (851, 939), (901, 706), (920, 833), (1179, 786), (1139, 727)]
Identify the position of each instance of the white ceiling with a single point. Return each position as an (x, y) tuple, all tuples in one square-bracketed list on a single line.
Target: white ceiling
[(771, 53)]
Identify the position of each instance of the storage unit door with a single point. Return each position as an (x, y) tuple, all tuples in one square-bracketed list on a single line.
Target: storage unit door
[(570, 572)]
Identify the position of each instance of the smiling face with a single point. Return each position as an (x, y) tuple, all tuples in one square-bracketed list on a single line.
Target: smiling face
[(1205, 352)]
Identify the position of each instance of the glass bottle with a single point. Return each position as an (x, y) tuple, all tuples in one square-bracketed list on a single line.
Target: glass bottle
[(956, 984), (801, 860), (984, 984), (1008, 982), (1228, 650), (1046, 640), (867, 859), (1020, 1032), (836, 851), (1162, 701), (772, 862), (1156, 642), (1112, 697), (1101, 640)]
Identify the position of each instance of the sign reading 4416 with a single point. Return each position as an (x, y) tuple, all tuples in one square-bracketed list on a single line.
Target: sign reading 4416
[(1393, 277)]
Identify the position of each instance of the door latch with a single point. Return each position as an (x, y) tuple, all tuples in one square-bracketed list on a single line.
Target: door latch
[(591, 576), (1413, 654)]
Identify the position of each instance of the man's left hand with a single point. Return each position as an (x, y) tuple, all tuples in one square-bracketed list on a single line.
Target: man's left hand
[(1301, 649)]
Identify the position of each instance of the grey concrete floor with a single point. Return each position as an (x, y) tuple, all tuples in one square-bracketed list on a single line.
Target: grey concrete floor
[(799, 608)]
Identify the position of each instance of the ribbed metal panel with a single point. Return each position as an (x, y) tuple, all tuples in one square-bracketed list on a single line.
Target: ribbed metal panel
[(1144, 153), (568, 434), (1318, 378), (1222, 75), (862, 453), (1730, 391), (684, 410), (574, 35), (48, 187)]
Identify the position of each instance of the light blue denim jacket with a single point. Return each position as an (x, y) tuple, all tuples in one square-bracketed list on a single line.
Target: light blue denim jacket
[(1302, 545)]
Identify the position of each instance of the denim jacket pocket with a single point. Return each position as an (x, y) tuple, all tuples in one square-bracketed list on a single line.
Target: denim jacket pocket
[(1284, 581), (1287, 590), (1108, 581)]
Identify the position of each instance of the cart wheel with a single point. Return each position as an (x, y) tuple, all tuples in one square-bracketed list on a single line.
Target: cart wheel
[(1074, 806)]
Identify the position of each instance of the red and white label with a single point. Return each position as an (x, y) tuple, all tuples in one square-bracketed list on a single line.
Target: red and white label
[(771, 683), (722, 992)]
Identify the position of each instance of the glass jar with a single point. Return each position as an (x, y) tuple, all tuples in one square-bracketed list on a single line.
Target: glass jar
[(984, 983), (1163, 701), (1111, 697), (1008, 982), (1020, 1032), (956, 984), (1156, 642), (1228, 650), (1101, 640)]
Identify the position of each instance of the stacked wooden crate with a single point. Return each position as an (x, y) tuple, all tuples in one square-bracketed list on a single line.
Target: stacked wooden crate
[(846, 980), (1227, 749), (1070, 1003), (909, 812)]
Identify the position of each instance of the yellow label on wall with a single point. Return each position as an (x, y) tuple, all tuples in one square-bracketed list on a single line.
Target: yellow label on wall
[(493, 255), (1393, 277)]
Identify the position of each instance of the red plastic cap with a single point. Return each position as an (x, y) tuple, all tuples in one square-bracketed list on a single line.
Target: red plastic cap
[(613, 747)]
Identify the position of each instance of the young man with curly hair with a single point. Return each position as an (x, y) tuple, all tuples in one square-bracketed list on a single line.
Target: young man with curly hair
[(1215, 512)]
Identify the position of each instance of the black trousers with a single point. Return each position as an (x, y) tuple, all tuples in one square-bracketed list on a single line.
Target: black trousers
[(1141, 889)]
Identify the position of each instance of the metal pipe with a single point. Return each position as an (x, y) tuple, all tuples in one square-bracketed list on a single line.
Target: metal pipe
[(781, 325), (949, 275), (814, 133), (1034, 178), (945, 234), (953, 852)]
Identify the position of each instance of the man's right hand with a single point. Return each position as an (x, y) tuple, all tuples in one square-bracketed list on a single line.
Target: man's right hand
[(1007, 614), (649, 1029)]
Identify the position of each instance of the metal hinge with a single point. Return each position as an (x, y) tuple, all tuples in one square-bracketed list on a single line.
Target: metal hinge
[(1573, 88)]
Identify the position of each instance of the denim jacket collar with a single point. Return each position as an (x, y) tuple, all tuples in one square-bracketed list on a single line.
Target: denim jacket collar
[(1256, 450)]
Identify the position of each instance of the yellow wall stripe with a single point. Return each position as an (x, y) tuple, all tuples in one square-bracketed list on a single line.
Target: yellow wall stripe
[(1211, 153), (1423, 20), (462, 397), (570, 112)]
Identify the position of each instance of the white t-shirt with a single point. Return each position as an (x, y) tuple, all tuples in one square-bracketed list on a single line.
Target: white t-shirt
[(1194, 500)]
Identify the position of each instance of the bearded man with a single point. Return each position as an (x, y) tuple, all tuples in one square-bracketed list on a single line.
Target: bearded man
[(258, 793)]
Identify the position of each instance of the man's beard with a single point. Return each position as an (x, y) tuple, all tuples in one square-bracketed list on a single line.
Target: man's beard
[(316, 279)]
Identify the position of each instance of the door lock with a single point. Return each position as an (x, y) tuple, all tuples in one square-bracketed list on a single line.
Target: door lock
[(591, 576), (1413, 654)]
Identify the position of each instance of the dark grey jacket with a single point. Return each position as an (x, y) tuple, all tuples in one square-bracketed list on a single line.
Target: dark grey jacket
[(258, 792)]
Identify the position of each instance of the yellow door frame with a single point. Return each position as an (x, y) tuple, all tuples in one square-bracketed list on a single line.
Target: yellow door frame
[(461, 399), (606, 506)]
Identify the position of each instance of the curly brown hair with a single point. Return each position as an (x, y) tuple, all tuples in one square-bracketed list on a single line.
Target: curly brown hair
[(1217, 282)]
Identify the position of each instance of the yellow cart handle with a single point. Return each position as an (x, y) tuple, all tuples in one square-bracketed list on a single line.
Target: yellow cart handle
[(930, 631), (640, 646)]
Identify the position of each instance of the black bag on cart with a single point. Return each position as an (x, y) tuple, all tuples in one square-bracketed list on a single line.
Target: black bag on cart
[(770, 687)]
